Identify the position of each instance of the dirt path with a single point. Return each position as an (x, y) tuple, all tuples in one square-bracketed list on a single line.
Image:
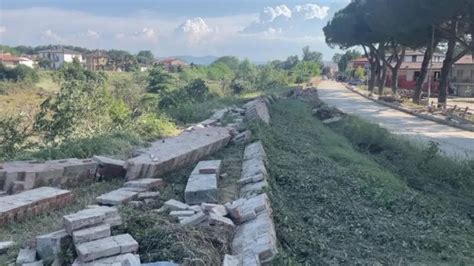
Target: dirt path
[(453, 142)]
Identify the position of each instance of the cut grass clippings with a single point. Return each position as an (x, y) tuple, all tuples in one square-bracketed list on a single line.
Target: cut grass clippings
[(334, 204)]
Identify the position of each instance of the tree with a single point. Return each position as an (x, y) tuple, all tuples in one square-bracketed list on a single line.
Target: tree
[(305, 70), (359, 73), (247, 71), (145, 57), (197, 90), (231, 61), (290, 62), (158, 80), (309, 55), (123, 60)]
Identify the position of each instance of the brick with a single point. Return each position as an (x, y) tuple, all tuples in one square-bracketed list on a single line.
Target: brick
[(215, 219), (91, 233), (117, 197), (194, 219), (5, 245), (208, 167), (182, 213), (230, 260), (26, 255), (148, 195), (49, 246), (88, 217), (128, 259), (174, 205), (172, 153), (201, 188), (106, 247), (145, 183)]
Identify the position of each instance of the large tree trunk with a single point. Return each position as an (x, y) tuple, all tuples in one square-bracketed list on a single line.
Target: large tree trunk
[(447, 63), (423, 72), (394, 80), (373, 76), (382, 79)]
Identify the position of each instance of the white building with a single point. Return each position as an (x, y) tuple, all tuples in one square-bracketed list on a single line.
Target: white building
[(60, 56)]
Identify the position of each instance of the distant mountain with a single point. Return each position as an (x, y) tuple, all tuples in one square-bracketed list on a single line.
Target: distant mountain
[(198, 60)]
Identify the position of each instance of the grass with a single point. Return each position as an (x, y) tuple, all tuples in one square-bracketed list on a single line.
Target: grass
[(26, 231), (160, 237), (334, 203)]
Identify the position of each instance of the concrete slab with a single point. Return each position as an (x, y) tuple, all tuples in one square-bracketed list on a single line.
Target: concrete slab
[(49, 246), (201, 188), (171, 153), (26, 255), (128, 259), (174, 205), (208, 167), (117, 197), (194, 219), (106, 247), (5, 245), (145, 183), (91, 233), (88, 217)]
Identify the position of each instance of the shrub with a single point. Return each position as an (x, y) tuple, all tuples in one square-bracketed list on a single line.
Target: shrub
[(158, 80), (240, 86), (14, 135), (197, 90), (18, 74), (154, 126)]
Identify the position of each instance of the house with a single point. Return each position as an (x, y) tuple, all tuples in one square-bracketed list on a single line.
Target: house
[(96, 61), (410, 70), (358, 62), (462, 76), (59, 56), (173, 63), (11, 61)]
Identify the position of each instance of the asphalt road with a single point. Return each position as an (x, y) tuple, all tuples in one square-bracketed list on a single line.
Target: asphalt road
[(455, 143)]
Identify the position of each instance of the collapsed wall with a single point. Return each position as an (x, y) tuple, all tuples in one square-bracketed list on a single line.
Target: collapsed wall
[(17, 176), (171, 153), (33, 202)]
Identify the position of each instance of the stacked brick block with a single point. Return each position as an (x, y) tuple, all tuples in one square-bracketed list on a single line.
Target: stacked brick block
[(32, 202)]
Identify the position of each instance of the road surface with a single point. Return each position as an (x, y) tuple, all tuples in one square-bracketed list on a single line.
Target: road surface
[(455, 143)]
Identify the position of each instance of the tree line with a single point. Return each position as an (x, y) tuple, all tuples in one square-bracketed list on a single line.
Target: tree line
[(385, 29)]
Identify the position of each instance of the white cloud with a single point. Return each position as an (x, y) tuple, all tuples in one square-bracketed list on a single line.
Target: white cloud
[(92, 34), (50, 35), (311, 11), (269, 13), (194, 30), (298, 20), (146, 34), (3, 29)]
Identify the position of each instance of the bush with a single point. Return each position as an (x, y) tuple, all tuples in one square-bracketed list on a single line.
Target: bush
[(239, 86), (20, 73), (14, 135), (154, 126), (197, 90)]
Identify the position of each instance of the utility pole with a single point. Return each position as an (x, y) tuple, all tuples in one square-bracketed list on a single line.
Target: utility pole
[(431, 64)]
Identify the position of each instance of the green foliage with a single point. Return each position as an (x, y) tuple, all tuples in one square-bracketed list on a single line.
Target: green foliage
[(151, 126), (119, 112), (197, 90), (123, 60), (19, 73), (220, 71), (314, 56), (305, 70), (81, 97), (145, 57), (158, 80), (359, 73), (239, 86), (14, 136), (231, 62)]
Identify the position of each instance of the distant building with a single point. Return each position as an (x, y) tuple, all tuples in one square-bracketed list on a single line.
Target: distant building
[(173, 63), (462, 76), (358, 62), (11, 61), (96, 61), (59, 56), (410, 71)]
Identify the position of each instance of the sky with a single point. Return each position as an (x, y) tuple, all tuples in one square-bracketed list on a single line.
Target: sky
[(259, 30)]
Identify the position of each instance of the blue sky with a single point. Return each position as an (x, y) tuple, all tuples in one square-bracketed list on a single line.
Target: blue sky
[(261, 31)]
